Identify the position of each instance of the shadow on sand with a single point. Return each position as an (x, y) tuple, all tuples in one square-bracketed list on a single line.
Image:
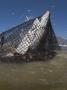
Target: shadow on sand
[(28, 57)]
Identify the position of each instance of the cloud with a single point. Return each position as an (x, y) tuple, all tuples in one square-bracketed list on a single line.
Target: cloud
[(28, 18), (20, 17), (53, 6), (12, 13), (28, 10), (28, 15)]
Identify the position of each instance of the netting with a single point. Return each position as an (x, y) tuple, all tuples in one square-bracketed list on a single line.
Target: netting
[(34, 36)]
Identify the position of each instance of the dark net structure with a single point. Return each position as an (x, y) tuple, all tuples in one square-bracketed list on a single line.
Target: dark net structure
[(32, 40)]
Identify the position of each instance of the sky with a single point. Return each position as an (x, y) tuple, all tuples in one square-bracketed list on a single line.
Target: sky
[(14, 12)]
